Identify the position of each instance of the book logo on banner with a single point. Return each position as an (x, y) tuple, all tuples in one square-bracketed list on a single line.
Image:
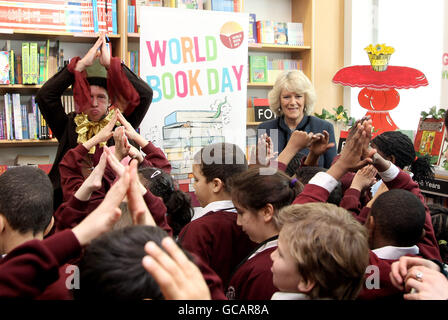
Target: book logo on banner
[(231, 35)]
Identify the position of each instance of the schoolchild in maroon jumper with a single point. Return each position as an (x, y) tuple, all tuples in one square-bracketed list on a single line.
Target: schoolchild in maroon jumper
[(215, 237), (91, 193), (355, 156), (31, 267), (258, 198)]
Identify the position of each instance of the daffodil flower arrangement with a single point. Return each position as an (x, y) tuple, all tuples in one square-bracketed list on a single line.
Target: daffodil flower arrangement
[(340, 115), (379, 49)]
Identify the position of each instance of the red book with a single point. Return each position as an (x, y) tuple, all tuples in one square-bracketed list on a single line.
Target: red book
[(429, 138)]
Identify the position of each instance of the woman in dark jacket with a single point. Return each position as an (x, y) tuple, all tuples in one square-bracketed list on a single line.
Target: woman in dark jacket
[(292, 100)]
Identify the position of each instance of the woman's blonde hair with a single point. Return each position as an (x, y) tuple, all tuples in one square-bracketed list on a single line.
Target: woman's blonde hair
[(293, 81)]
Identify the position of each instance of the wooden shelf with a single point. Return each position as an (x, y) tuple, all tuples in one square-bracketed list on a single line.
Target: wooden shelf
[(259, 85), (251, 123), (22, 88), (28, 143), (8, 34), (276, 47)]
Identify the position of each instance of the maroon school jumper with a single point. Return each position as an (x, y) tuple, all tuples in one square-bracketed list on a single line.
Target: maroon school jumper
[(28, 269), (218, 240), (253, 279), (73, 211), (74, 160), (428, 246)]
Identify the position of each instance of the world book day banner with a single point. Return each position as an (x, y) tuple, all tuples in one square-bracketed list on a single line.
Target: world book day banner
[(195, 61)]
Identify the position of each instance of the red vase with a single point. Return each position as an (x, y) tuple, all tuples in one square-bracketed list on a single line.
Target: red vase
[(379, 102)]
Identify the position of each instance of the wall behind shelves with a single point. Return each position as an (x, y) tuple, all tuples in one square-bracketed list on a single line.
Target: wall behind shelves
[(8, 155)]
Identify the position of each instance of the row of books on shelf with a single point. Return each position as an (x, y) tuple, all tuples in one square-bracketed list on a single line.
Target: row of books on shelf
[(34, 64), (272, 32), (134, 64), (216, 5), (21, 119), (262, 70), (78, 16)]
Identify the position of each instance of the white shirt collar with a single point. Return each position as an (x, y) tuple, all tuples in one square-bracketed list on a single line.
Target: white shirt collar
[(267, 245), (220, 205), (289, 296), (213, 207), (394, 253)]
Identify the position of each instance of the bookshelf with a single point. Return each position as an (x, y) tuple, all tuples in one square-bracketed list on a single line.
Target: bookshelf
[(77, 44)]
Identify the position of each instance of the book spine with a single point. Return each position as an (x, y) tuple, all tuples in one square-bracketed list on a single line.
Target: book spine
[(12, 79), (17, 114), (25, 62), (114, 17), (25, 128), (95, 16), (109, 16), (34, 64)]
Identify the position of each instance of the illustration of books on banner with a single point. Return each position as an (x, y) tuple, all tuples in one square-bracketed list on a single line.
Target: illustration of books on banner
[(185, 132)]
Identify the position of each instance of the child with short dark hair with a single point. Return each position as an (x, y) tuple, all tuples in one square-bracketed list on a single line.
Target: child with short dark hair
[(26, 213), (31, 267), (215, 237), (258, 199)]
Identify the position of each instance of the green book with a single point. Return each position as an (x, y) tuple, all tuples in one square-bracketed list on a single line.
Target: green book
[(25, 63), (34, 63), (11, 67), (258, 68), (42, 64)]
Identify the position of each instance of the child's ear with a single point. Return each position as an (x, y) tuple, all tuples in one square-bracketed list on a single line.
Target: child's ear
[(49, 227), (2, 223), (218, 185), (305, 286), (268, 212)]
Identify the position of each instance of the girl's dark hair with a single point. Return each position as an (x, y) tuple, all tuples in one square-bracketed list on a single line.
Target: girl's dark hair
[(178, 203), (253, 190), (397, 144), (221, 160), (439, 217)]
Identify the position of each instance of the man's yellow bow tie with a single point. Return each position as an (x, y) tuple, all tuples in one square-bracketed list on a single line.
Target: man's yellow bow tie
[(86, 129)]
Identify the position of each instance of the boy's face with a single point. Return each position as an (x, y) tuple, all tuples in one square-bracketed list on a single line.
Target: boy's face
[(202, 189), (286, 276), (100, 103)]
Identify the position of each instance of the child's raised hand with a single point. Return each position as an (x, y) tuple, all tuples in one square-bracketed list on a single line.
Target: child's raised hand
[(364, 178), (94, 181), (136, 204), (300, 140), (114, 163), (178, 277), (121, 143), (265, 150), (129, 129), (135, 154), (104, 217), (320, 143)]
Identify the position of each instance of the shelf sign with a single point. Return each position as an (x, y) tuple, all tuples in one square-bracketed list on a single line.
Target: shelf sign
[(263, 113), (436, 186)]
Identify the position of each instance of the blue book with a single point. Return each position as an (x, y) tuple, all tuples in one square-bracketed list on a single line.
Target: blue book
[(73, 16), (252, 38), (25, 129), (95, 15), (114, 17)]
